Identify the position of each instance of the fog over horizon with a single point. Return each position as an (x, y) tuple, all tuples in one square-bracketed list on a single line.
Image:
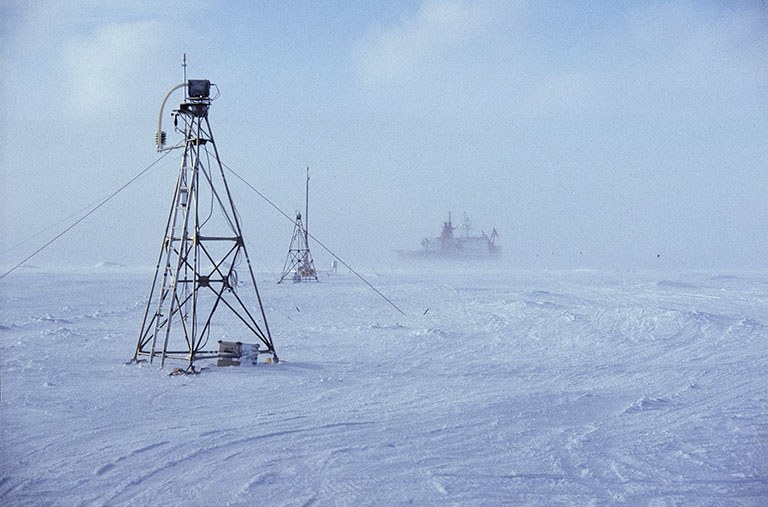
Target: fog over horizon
[(601, 135)]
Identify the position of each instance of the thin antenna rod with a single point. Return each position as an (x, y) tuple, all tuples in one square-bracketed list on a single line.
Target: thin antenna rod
[(306, 213), (184, 73)]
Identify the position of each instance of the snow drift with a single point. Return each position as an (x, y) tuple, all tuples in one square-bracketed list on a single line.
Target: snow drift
[(534, 388)]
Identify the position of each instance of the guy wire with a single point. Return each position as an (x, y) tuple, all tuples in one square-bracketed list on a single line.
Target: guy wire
[(316, 241), (102, 203)]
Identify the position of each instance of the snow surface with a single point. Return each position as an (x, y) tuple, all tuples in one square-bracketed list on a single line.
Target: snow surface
[(499, 387)]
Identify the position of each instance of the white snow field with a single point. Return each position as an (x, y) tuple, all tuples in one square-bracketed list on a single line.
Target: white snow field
[(514, 388)]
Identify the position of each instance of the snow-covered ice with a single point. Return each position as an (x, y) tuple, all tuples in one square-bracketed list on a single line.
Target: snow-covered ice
[(498, 388)]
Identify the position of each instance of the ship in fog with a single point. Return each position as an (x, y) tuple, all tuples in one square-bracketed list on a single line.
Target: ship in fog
[(465, 245)]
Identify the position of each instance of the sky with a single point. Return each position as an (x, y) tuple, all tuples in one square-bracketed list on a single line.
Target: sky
[(607, 135)]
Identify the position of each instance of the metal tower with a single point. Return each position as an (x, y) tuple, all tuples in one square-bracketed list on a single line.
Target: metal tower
[(299, 260), (203, 248)]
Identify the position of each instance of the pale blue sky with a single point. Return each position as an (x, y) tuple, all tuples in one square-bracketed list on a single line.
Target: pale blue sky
[(590, 134)]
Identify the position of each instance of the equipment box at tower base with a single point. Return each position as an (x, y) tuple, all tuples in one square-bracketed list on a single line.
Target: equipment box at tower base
[(237, 354)]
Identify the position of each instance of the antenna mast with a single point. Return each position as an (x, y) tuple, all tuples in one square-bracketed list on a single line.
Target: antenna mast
[(299, 260), (202, 254), (306, 212), (184, 72)]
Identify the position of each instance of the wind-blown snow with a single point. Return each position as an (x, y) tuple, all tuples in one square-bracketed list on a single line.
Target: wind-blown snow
[(537, 388)]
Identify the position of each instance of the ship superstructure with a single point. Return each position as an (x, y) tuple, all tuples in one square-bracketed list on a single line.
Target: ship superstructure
[(451, 246)]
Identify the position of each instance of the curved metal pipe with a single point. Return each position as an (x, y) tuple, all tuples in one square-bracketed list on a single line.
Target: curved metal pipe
[(159, 134)]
